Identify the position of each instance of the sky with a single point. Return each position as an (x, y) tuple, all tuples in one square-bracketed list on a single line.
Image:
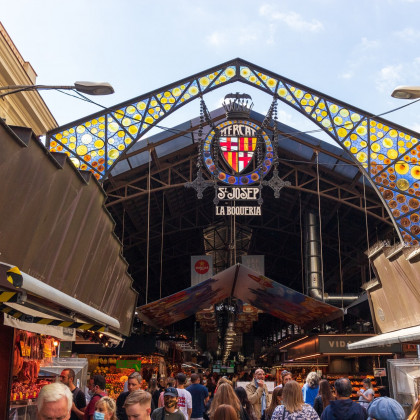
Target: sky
[(356, 52)]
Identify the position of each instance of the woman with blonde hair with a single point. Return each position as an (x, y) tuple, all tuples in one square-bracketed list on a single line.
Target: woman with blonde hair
[(225, 395), (311, 388), (293, 407), (105, 409), (415, 414)]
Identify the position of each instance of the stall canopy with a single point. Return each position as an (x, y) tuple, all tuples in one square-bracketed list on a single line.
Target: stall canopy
[(55, 229), (247, 285), (394, 295), (406, 335)]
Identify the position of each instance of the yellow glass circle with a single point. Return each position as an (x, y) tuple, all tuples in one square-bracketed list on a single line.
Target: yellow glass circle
[(193, 90), (334, 108), (131, 110), (361, 131), (387, 142), (361, 157), (403, 184), (133, 129), (282, 92), (126, 122), (401, 168), (355, 117), (81, 150), (230, 72), (415, 172), (375, 147), (113, 154), (392, 154), (119, 114), (99, 144), (176, 92), (80, 129), (204, 81), (342, 132), (141, 106), (245, 72), (149, 120)]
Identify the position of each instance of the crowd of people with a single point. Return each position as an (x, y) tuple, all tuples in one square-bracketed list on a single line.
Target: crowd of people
[(202, 398)]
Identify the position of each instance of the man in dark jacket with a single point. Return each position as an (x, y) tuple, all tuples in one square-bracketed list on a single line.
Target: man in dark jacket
[(343, 408)]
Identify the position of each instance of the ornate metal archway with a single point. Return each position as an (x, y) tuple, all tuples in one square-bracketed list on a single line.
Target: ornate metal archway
[(388, 154)]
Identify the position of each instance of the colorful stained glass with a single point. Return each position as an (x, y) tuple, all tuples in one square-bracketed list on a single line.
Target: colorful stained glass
[(389, 155)]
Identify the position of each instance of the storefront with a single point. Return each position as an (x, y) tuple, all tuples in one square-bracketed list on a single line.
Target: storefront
[(331, 358)]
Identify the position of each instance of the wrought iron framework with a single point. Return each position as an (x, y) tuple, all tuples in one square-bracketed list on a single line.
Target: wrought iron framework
[(388, 154)]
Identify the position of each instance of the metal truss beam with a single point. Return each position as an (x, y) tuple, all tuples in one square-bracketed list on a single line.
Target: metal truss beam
[(386, 153)]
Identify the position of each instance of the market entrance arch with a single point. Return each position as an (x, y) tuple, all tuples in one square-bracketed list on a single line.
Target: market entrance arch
[(386, 153)]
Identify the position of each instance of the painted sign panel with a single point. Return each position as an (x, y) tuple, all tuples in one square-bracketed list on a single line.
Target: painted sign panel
[(250, 287)]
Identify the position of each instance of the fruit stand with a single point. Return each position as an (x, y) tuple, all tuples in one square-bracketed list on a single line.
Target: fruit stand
[(117, 368)]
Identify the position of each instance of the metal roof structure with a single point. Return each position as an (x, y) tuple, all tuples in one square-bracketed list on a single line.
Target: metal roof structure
[(162, 222)]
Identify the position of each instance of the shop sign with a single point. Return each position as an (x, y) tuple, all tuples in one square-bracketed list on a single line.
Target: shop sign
[(338, 344), (129, 364), (238, 154), (379, 372)]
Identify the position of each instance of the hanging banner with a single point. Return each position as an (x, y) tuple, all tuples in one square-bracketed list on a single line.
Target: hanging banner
[(201, 268)]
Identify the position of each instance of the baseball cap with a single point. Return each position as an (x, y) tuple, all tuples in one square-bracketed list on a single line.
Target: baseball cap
[(384, 408), (171, 392)]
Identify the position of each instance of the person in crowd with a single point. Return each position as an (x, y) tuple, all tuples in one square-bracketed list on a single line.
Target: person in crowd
[(293, 406), (99, 385), (286, 376), (170, 409), (246, 405), (415, 413), (343, 408), (89, 390), (78, 408), (366, 394), (170, 384), (134, 384), (54, 402), (210, 384), (162, 384), (384, 408), (184, 397), (105, 409), (310, 389), (154, 391), (226, 395), (225, 412), (137, 405), (199, 395), (324, 397), (276, 400), (258, 393)]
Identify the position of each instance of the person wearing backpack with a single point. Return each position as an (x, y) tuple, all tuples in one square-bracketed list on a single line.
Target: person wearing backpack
[(78, 407)]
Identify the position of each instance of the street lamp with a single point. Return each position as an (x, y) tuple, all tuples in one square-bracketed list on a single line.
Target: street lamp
[(89, 88), (406, 92)]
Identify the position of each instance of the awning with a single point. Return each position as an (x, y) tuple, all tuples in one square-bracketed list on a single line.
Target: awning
[(406, 335), (55, 228), (247, 285)]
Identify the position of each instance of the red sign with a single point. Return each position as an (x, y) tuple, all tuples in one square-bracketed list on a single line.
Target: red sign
[(201, 267)]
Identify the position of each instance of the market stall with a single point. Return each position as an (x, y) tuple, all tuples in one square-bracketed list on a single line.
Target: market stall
[(329, 356), (117, 368)]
